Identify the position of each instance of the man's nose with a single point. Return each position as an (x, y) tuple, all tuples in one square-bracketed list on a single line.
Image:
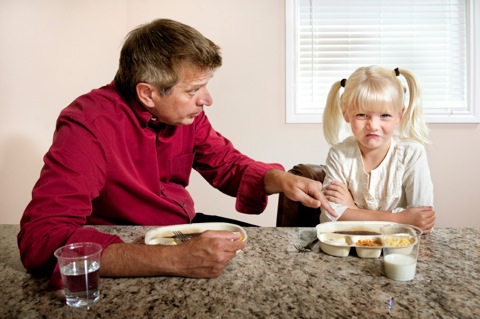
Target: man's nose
[(205, 98)]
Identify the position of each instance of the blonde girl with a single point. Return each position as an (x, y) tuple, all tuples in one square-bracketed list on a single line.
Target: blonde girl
[(381, 171)]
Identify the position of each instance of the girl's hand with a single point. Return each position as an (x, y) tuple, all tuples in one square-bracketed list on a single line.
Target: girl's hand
[(423, 217), (338, 193)]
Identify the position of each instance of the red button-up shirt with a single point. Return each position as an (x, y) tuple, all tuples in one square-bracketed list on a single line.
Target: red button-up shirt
[(111, 163)]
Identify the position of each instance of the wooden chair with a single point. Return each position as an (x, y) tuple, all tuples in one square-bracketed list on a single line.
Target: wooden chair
[(295, 214)]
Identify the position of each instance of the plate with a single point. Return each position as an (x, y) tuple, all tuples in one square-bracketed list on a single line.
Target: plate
[(164, 235)]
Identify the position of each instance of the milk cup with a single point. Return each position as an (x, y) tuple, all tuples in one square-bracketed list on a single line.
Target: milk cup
[(400, 250)]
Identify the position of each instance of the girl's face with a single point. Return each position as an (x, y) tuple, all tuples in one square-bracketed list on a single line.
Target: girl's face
[(373, 130)]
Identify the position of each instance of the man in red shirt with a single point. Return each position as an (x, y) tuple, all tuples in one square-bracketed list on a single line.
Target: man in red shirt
[(122, 154)]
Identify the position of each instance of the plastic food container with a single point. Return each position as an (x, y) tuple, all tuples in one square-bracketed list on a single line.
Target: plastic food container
[(338, 238), (164, 235)]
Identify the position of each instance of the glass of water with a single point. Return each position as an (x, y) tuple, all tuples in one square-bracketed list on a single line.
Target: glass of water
[(80, 266)]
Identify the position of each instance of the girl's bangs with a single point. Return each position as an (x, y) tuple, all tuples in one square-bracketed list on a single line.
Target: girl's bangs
[(377, 101)]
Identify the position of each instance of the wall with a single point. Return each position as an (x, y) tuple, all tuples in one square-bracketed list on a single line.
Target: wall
[(55, 50)]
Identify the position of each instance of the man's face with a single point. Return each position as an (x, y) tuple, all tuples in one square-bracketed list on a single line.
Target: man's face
[(185, 100)]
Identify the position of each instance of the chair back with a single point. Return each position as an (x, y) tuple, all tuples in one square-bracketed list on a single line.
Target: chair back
[(295, 214)]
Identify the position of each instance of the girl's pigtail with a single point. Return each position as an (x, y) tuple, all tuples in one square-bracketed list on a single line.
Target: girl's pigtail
[(412, 124), (332, 114)]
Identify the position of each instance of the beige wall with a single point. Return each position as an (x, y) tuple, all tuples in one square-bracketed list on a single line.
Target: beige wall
[(54, 50)]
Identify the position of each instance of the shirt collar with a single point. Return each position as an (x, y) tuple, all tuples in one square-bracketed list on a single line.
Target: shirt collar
[(145, 118)]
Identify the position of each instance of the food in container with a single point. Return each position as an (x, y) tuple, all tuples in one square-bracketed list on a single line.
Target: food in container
[(368, 246), (401, 245), (335, 244), (399, 241)]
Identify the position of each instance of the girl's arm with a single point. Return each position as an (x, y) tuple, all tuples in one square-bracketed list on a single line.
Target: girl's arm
[(423, 216)]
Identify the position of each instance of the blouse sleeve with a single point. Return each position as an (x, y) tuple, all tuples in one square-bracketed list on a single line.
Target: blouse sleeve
[(335, 164), (417, 180)]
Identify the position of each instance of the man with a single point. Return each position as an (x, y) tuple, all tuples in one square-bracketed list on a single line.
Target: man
[(122, 154)]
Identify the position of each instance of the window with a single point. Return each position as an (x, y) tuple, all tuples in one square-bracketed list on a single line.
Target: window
[(328, 40)]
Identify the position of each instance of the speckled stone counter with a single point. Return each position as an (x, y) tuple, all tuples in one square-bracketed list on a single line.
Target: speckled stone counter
[(269, 279)]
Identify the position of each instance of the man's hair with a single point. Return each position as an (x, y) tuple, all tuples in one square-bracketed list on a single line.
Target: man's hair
[(157, 52)]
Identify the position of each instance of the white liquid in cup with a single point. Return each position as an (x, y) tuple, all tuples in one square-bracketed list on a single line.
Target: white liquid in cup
[(400, 267)]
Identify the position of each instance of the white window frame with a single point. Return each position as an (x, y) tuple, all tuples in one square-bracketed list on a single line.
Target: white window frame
[(297, 114)]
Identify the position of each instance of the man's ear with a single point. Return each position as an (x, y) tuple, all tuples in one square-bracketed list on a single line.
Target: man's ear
[(145, 93)]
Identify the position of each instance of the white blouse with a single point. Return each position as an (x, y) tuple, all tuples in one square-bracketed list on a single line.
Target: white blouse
[(401, 181)]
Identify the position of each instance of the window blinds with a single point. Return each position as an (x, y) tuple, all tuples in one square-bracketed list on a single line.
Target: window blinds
[(333, 38)]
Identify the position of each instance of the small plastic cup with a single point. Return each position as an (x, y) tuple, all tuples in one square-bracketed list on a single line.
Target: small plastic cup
[(80, 267), (400, 250)]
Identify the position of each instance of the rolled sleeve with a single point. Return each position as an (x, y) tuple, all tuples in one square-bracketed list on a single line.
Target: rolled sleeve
[(251, 197), (86, 234)]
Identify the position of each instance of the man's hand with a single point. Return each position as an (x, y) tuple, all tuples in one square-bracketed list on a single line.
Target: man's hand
[(203, 256), (297, 188), (207, 255)]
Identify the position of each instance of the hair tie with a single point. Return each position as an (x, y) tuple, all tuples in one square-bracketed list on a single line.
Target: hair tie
[(342, 82), (397, 72)]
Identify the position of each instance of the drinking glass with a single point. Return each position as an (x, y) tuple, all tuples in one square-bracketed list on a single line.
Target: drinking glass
[(400, 250), (80, 266)]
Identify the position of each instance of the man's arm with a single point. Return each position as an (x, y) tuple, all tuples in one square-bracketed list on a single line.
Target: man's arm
[(204, 256)]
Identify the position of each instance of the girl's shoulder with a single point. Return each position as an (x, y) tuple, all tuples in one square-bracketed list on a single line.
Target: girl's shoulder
[(408, 145), (349, 142), (348, 145), (408, 150)]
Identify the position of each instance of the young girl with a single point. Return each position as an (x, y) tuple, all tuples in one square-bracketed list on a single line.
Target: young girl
[(380, 173)]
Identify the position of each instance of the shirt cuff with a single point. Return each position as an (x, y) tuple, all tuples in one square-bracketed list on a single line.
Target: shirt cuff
[(85, 234), (251, 196), (339, 210)]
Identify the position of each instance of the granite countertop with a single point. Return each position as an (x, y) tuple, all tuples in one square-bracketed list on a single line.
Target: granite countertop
[(269, 279)]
